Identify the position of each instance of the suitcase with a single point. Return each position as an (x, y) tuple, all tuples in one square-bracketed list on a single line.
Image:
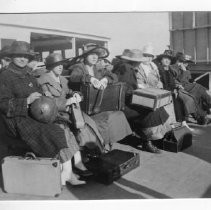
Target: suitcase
[(31, 176), (151, 98), (110, 99), (112, 165), (178, 139), (77, 116)]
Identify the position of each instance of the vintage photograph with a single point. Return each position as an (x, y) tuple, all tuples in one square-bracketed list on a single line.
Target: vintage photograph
[(105, 105)]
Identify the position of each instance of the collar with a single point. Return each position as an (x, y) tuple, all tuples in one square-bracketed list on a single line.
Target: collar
[(21, 72)]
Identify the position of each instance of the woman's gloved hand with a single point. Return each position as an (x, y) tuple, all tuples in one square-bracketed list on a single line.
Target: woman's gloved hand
[(95, 82), (32, 97), (104, 83), (74, 100)]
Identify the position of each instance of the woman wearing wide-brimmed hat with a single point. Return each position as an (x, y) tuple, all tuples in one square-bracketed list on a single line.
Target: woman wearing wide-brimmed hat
[(184, 103), (182, 77), (55, 85), (18, 90), (151, 125), (113, 126)]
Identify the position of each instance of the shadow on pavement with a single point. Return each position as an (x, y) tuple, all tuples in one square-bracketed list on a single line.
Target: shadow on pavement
[(96, 191), (207, 194), (201, 147), (142, 189)]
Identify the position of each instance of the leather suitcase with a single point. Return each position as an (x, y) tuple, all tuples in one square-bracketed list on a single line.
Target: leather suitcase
[(37, 176), (110, 99), (178, 139), (112, 165), (151, 98)]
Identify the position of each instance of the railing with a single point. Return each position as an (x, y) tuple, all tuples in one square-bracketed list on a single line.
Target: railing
[(203, 75)]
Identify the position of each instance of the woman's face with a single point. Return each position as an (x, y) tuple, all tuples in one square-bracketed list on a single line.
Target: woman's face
[(57, 70), (165, 61), (20, 60), (147, 59), (92, 59)]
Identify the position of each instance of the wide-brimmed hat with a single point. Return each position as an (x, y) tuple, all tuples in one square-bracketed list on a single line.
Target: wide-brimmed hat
[(183, 58), (90, 48), (148, 50), (166, 54), (133, 55), (54, 59), (125, 52), (4, 51), (21, 48)]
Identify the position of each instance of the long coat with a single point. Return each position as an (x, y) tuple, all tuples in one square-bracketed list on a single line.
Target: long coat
[(184, 102), (146, 119), (196, 90), (61, 92), (46, 140), (113, 126)]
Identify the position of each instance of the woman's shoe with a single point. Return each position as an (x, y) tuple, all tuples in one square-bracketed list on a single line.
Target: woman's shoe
[(75, 181), (83, 173), (184, 123)]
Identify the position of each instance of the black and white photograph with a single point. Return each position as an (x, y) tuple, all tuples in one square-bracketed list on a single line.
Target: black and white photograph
[(105, 105)]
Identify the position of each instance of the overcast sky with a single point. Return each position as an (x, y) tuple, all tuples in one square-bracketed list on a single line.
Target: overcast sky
[(126, 30)]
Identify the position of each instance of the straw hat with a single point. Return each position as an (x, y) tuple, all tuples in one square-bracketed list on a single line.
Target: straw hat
[(133, 55), (148, 50)]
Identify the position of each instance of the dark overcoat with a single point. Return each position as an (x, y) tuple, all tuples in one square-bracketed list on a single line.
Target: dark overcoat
[(127, 73), (112, 125), (16, 85)]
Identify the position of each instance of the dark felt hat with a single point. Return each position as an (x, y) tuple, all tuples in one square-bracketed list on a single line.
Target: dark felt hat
[(54, 59), (183, 58), (90, 48), (21, 48), (4, 51), (166, 54)]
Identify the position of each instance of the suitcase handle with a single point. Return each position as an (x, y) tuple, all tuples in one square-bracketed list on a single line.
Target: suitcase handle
[(30, 155)]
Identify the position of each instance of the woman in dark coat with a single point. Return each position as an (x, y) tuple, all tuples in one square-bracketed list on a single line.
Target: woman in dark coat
[(18, 90), (112, 125), (56, 86), (182, 78), (151, 124), (184, 102)]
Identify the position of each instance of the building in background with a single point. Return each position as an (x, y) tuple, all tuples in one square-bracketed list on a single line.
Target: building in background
[(45, 41), (190, 32)]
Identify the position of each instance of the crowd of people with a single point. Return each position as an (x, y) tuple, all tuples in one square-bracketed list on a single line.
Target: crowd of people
[(21, 85)]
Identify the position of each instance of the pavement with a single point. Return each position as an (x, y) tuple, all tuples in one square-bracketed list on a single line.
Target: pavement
[(167, 175)]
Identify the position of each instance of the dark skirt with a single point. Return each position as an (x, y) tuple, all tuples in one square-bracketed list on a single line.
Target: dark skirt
[(112, 125), (152, 125)]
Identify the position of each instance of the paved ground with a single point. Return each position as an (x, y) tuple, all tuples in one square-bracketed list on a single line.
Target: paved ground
[(167, 175)]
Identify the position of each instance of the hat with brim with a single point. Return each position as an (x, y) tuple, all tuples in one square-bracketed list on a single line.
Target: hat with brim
[(183, 58), (167, 54), (148, 50), (124, 53), (134, 55), (53, 60), (90, 48), (21, 48), (4, 52)]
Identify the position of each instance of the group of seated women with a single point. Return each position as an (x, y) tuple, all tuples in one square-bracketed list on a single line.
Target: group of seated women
[(19, 89)]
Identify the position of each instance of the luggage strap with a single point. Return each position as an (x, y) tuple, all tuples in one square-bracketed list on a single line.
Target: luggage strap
[(99, 97)]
